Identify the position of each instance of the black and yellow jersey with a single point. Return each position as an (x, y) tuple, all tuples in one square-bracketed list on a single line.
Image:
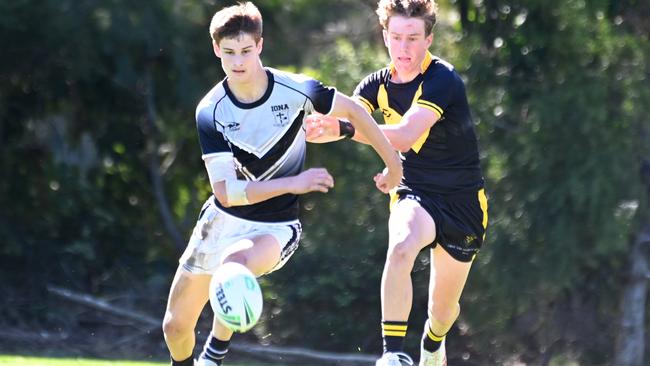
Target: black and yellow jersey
[(445, 158)]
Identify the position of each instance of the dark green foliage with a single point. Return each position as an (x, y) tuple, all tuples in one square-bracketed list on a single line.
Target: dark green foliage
[(97, 104)]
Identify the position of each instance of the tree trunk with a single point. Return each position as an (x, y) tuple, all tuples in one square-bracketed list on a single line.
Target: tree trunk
[(151, 133), (630, 346)]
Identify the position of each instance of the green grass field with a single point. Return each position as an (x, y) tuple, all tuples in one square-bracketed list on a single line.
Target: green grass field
[(37, 361)]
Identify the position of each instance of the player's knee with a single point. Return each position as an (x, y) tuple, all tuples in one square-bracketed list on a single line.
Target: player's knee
[(174, 327), (402, 255)]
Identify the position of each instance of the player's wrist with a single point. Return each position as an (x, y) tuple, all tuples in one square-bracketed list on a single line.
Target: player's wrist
[(346, 129), (292, 184)]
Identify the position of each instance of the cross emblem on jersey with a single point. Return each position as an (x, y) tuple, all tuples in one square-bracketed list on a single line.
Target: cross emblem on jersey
[(280, 114)]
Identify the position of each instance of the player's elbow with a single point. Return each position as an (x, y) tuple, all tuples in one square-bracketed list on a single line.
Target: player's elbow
[(353, 111), (403, 140), (219, 191), (223, 199), (358, 110), (402, 145)]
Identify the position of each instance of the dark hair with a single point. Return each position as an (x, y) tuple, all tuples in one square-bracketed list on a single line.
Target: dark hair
[(423, 9), (235, 20)]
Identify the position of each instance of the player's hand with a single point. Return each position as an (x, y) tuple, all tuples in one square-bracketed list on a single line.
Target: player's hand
[(322, 128), (314, 179), (388, 179)]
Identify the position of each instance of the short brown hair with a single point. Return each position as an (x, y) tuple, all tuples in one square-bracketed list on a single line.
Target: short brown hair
[(423, 9), (234, 20)]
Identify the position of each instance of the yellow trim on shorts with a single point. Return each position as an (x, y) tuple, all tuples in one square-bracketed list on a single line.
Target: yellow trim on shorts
[(482, 199)]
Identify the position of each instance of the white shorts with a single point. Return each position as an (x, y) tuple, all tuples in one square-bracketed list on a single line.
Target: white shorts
[(216, 230)]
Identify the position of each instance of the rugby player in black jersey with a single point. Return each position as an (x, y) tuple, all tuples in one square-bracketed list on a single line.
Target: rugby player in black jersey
[(440, 203)]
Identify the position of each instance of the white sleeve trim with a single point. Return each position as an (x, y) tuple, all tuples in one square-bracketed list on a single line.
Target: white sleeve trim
[(211, 155), (220, 167)]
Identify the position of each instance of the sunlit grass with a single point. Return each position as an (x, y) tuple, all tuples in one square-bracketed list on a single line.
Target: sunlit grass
[(38, 361)]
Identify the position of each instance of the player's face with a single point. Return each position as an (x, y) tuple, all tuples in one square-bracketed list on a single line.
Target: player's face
[(240, 56), (407, 44)]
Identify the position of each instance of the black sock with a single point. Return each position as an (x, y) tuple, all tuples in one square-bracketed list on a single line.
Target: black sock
[(215, 350), (393, 334), (430, 341), (188, 362)]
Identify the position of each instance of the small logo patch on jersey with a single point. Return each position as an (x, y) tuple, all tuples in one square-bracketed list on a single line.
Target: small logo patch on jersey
[(233, 126), (280, 113)]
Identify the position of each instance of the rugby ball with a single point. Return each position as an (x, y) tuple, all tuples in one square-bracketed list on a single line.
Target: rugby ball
[(235, 297)]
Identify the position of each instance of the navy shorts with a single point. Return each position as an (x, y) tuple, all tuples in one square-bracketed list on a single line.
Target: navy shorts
[(461, 220)]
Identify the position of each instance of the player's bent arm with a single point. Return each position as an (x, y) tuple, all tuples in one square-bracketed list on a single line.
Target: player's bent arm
[(230, 191), (363, 123), (415, 122), (251, 192)]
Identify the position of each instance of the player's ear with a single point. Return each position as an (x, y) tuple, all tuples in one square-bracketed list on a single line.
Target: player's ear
[(384, 33), (260, 45), (429, 39), (216, 49)]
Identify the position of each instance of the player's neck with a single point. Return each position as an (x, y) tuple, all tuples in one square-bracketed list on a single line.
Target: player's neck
[(251, 90), (403, 77)]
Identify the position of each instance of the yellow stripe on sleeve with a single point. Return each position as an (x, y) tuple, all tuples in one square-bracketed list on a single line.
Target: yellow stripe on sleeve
[(366, 103), (431, 106)]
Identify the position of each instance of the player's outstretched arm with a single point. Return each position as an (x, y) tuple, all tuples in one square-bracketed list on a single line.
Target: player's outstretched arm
[(416, 121), (347, 108)]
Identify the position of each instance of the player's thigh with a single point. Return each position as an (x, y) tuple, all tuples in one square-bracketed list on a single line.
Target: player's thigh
[(448, 278), (410, 225), (259, 253), (187, 297)]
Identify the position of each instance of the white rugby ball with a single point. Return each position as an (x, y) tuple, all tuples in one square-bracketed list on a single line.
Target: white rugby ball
[(235, 297)]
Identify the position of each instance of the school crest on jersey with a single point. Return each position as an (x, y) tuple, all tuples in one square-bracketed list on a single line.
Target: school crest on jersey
[(280, 114)]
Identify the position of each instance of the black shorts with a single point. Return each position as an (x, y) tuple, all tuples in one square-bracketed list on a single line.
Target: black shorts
[(461, 220)]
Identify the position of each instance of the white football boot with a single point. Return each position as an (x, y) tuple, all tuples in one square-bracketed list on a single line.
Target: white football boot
[(204, 362), (394, 359), (437, 358)]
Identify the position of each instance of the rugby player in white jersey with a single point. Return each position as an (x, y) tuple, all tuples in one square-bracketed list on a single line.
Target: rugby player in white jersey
[(252, 137)]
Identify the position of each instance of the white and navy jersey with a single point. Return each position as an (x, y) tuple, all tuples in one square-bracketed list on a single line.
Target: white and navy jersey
[(266, 138)]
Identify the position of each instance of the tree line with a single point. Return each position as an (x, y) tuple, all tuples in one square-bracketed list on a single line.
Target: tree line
[(102, 177)]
